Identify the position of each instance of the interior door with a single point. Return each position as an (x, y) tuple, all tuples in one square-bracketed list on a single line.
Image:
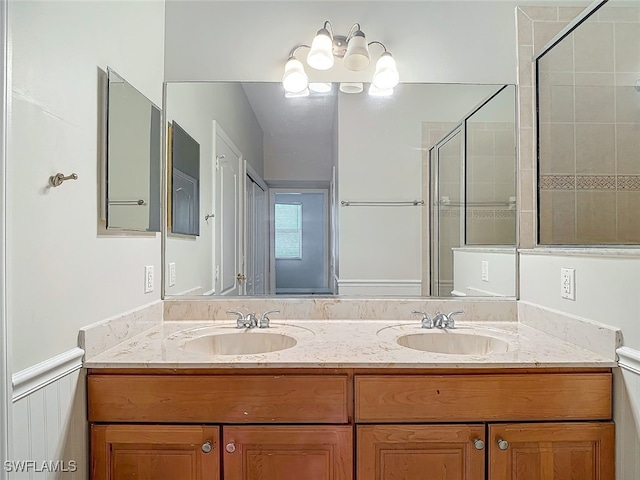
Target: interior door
[(229, 269)]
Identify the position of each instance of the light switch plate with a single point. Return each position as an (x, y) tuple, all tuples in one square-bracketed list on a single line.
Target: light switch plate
[(148, 279), (172, 274), (568, 283), (485, 271)]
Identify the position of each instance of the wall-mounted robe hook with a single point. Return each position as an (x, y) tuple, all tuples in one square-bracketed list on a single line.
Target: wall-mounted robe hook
[(57, 179)]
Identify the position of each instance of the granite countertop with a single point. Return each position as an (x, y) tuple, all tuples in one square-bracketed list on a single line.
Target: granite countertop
[(343, 344)]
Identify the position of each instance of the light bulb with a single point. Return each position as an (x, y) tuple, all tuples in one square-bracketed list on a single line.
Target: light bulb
[(386, 75), (351, 87), (295, 79), (303, 93), (323, 87), (320, 56), (378, 92)]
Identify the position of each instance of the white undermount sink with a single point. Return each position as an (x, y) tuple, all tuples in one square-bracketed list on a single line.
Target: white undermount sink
[(439, 341), (240, 343)]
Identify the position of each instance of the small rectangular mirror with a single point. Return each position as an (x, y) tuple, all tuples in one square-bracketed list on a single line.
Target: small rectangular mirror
[(133, 158), (185, 182)]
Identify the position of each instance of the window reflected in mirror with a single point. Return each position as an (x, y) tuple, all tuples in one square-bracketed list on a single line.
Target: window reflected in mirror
[(589, 132)]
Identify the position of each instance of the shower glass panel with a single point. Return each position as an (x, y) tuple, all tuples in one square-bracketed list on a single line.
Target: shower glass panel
[(588, 96), (447, 209), (491, 172)]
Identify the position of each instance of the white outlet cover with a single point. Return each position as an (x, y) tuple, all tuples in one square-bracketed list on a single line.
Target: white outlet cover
[(148, 279), (172, 274), (568, 283), (485, 271)]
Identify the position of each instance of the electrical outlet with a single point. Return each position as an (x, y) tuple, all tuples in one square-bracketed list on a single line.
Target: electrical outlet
[(172, 274), (148, 279), (485, 271), (568, 283)]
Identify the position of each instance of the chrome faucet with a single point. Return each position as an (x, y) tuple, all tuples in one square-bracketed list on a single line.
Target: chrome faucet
[(442, 320), (243, 321), (426, 319), (264, 320)]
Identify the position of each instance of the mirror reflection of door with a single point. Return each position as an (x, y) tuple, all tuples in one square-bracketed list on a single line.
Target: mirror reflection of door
[(300, 238), (256, 235), (229, 268)]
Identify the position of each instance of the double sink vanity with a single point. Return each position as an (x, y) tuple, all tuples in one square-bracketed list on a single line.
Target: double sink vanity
[(355, 398)]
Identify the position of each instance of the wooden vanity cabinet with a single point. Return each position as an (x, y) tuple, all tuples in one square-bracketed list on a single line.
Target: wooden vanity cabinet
[(345, 424), (155, 452)]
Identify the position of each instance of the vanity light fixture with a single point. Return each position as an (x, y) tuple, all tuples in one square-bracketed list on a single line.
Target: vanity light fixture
[(353, 49)]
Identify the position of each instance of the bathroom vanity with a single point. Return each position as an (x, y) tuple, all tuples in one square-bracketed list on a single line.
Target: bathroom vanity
[(364, 408)]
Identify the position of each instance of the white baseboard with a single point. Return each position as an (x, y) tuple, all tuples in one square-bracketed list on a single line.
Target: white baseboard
[(42, 374), (629, 359), (380, 287)]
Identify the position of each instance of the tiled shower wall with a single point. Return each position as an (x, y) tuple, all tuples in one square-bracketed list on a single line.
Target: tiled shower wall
[(589, 131), (491, 189)]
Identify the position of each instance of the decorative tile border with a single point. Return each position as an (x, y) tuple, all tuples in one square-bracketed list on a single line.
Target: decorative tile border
[(557, 182), (589, 182), (628, 182), (595, 182)]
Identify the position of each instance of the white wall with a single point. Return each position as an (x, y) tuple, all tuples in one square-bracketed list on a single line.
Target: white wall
[(467, 271), (298, 157), (195, 106), (380, 159), (432, 41), (61, 273)]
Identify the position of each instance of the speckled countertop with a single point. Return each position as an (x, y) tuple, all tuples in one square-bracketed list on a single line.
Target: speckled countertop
[(343, 344)]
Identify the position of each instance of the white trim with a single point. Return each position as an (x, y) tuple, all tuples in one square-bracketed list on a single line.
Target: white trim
[(5, 347), (629, 359), (42, 374)]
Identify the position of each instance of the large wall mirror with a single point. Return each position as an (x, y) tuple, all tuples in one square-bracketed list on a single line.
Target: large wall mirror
[(133, 158), (331, 193)]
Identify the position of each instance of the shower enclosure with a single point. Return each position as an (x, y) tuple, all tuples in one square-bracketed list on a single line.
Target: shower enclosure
[(473, 198)]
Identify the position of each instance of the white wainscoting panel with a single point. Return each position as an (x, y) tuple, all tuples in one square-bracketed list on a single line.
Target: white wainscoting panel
[(626, 415), (49, 425)]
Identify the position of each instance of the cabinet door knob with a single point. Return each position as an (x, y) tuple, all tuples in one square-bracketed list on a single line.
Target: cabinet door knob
[(503, 444), (206, 447), (479, 444), (231, 447)]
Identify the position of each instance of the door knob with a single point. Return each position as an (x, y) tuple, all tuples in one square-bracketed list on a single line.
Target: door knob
[(479, 444), (503, 444), (206, 447), (240, 277), (231, 447)]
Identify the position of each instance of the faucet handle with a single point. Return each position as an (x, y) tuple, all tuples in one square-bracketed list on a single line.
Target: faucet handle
[(264, 320), (240, 321), (426, 319), (450, 321)]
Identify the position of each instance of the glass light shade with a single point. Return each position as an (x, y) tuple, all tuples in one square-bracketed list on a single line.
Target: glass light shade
[(320, 56), (351, 87), (303, 93), (295, 79), (377, 92), (386, 75), (320, 87), (357, 56)]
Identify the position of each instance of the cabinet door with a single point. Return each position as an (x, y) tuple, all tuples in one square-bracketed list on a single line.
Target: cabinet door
[(551, 451), (288, 453), (154, 452), (409, 452)]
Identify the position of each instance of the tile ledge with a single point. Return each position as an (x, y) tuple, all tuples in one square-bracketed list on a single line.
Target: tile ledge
[(582, 251)]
